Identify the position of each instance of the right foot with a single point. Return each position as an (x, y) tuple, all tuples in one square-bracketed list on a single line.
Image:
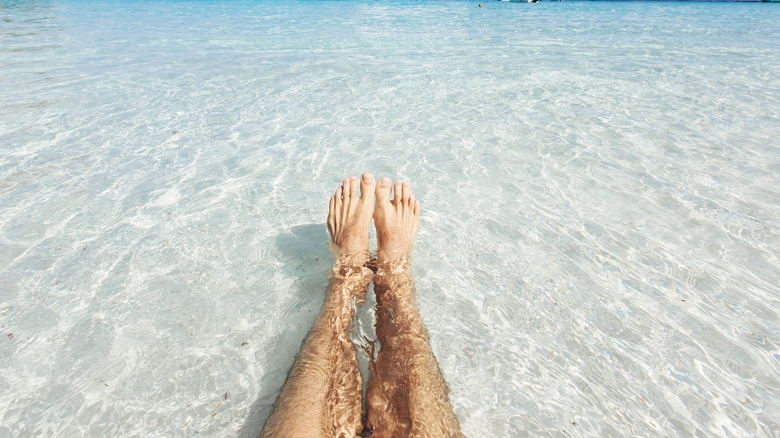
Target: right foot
[(349, 216), (396, 221)]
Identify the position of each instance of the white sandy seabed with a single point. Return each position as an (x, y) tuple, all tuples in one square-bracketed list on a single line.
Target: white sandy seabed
[(598, 253)]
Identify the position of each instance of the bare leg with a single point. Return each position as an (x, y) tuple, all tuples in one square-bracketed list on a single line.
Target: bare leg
[(407, 395), (322, 394)]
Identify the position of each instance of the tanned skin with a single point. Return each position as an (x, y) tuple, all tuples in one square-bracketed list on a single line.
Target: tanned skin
[(407, 395)]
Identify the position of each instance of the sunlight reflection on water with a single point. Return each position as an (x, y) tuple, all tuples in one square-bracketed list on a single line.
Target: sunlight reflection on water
[(598, 252)]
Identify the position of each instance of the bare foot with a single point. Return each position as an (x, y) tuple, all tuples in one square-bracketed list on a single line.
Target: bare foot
[(349, 216), (396, 221)]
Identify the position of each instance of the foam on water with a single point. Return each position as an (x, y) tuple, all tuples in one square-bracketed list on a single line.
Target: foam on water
[(598, 252)]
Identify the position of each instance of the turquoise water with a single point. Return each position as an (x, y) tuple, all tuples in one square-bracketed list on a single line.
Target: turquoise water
[(599, 244)]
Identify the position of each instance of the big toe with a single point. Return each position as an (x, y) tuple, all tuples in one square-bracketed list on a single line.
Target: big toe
[(383, 190)]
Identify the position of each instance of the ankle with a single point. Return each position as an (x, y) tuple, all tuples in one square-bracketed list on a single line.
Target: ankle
[(394, 261)]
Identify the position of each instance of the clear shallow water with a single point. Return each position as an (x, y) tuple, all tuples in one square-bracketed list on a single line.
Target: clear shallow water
[(598, 253)]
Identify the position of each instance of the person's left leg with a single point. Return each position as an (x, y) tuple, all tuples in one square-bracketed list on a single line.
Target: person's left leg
[(321, 396)]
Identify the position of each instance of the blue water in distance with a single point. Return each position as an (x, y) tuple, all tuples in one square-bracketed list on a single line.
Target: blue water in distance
[(598, 252)]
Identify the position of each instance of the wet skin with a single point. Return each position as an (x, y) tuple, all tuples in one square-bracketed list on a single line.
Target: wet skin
[(407, 395)]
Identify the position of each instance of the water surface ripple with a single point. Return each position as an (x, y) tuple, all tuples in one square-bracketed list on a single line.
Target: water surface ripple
[(599, 243)]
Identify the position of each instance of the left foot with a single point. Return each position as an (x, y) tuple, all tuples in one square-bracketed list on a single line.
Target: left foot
[(349, 215)]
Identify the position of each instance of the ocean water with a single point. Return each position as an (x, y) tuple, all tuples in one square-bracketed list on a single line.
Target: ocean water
[(598, 253)]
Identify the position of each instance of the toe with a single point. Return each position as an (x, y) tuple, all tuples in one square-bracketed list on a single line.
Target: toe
[(353, 187), (337, 203), (406, 193), (383, 190), (332, 216), (397, 194), (345, 188), (367, 186)]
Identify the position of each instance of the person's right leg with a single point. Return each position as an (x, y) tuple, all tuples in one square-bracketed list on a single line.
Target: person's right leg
[(321, 397), (407, 395)]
